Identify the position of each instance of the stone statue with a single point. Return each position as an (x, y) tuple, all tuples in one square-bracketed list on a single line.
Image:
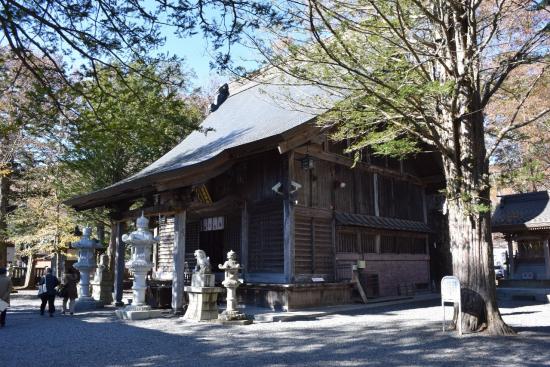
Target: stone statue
[(203, 263), (231, 268), (203, 293), (101, 268), (102, 283)]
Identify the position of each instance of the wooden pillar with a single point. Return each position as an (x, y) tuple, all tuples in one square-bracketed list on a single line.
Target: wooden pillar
[(119, 263), (424, 207), (288, 221), (511, 258), (178, 254), (377, 242), (375, 188), (333, 239), (312, 244), (546, 248), (288, 215), (244, 240), (111, 250)]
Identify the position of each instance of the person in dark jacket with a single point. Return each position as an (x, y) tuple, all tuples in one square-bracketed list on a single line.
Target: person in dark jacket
[(70, 279), (5, 290), (51, 282)]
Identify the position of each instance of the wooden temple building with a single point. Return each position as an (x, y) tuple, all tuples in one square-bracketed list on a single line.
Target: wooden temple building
[(524, 220), (268, 183)]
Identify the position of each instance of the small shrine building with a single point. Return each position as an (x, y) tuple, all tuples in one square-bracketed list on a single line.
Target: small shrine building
[(268, 183)]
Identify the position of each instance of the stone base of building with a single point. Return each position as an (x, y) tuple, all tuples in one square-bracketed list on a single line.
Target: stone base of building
[(527, 283), (202, 303), (137, 313), (290, 297), (86, 304)]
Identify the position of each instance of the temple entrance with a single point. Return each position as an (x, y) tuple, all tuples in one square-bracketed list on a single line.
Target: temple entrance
[(212, 243)]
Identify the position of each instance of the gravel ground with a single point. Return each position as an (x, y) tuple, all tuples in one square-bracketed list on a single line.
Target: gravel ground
[(400, 335)]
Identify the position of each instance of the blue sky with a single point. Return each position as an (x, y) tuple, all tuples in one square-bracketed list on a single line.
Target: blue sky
[(196, 52)]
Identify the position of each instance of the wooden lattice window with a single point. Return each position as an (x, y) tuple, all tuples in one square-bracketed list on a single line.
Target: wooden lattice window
[(347, 242), (368, 243)]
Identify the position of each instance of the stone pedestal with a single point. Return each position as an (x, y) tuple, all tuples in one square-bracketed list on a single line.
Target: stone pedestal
[(137, 313), (202, 303), (231, 313), (203, 298)]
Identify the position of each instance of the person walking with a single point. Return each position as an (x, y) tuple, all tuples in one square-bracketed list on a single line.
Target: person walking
[(5, 290), (51, 282), (70, 279)]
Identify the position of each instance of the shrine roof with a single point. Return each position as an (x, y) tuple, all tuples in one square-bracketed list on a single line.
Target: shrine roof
[(529, 211), (258, 112), (370, 221)]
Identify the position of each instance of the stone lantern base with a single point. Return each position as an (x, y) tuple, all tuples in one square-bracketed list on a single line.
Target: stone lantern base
[(232, 315), (86, 304), (137, 313)]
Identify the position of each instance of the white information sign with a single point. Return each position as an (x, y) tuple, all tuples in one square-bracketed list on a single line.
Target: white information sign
[(212, 224), (450, 292), (11, 254)]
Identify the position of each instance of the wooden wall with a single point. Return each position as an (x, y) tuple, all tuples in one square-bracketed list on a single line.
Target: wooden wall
[(400, 199), (326, 187), (314, 250), (251, 179), (332, 185), (265, 237), (165, 260)]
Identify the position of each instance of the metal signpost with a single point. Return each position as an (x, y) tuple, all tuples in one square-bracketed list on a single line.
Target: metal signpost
[(450, 292)]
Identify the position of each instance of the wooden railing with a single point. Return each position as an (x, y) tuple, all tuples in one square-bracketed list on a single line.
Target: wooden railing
[(17, 274)]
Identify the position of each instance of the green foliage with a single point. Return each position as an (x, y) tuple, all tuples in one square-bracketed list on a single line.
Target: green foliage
[(94, 32), (527, 175), (129, 120), (40, 223)]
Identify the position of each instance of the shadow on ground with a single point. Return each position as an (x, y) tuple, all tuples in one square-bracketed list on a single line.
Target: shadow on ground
[(376, 337)]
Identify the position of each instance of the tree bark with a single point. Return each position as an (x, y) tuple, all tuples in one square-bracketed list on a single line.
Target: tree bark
[(468, 205), (472, 254), (29, 276), (4, 193), (461, 126)]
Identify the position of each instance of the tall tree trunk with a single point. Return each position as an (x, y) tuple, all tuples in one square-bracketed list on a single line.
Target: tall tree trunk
[(460, 124), (468, 205), (472, 254), (4, 193), (29, 276)]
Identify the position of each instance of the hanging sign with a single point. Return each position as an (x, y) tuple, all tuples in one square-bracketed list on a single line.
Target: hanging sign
[(212, 224), (10, 254)]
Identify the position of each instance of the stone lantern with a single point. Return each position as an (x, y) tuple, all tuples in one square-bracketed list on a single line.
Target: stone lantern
[(231, 282), (86, 264), (140, 242)]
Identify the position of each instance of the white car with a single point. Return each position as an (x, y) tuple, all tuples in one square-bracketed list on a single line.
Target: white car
[(499, 272)]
